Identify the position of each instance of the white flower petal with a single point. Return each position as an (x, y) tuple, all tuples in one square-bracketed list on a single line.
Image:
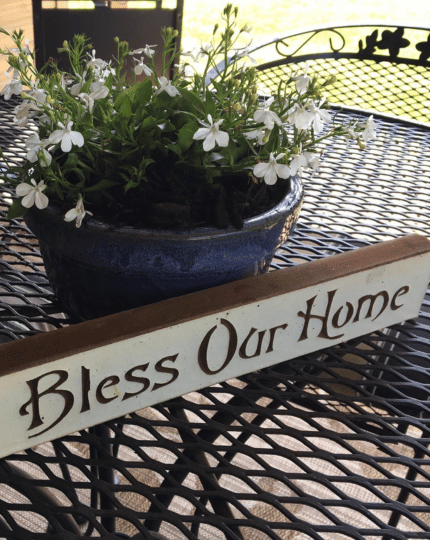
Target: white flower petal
[(222, 138), (32, 155), (270, 177), (77, 138), (56, 136), (66, 143), (32, 141), (46, 158), (23, 189), (261, 169), (282, 171), (71, 215), (259, 115), (28, 200), (42, 200), (209, 142), (201, 133)]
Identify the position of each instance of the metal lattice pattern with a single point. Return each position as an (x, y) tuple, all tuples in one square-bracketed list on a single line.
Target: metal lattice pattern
[(377, 66), (381, 193), (330, 446), (398, 89), (308, 449)]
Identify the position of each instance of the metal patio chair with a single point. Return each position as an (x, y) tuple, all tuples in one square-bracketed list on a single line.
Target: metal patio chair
[(54, 23), (380, 66)]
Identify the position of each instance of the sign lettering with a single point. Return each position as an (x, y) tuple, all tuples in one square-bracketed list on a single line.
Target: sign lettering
[(124, 362)]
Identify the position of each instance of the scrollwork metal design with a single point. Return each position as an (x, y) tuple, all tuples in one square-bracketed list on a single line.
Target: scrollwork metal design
[(424, 48), (391, 40), (316, 32), (371, 44)]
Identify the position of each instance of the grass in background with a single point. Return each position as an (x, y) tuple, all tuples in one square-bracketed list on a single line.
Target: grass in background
[(280, 16), (273, 17)]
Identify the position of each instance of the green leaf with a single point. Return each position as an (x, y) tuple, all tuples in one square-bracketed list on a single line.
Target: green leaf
[(210, 105), (121, 97), (149, 123), (103, 184), (138, 93), (125, 110), (175, 148), (163, 100), (16, 210), (185, 135), (168, 127), (109, 82), (71, 162), (143, 164), (56, 186), (143, 92), (194, 100)]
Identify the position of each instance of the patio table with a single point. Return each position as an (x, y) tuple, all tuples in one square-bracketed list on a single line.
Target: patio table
[(329, 446)]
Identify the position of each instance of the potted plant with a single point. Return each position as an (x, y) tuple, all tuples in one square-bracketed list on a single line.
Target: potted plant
[(140, 188)]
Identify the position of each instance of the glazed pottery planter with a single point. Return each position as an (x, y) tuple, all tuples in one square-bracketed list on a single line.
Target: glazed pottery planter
[(97, 270)]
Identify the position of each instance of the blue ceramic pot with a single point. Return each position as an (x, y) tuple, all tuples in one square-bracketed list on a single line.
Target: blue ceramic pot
[(98, 270)]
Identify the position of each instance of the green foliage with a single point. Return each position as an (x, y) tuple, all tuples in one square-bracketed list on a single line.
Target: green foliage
[(137, 148)]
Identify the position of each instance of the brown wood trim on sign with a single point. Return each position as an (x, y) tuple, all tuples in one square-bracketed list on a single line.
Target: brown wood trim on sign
[(47, 347)]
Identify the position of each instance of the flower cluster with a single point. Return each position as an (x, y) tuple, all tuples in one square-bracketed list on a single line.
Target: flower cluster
[(147, 141)]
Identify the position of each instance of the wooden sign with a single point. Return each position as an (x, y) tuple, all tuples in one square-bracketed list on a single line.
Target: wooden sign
[(62, 381)]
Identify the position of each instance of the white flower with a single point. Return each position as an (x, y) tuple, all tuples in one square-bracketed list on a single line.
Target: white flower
[(299, 116), (32, 194), (100, 93), (302, 81), (14, 71), (26, 49), (97, 63), (97, 85), (65, 81), (211, 135), (313, 160), (242, 53), (266, 116), (67, 137), (23, 113), (298, 163), (142, 68), (319, 116), (167, 86), (37, 94), (195, 54), (104, 72), (147, 50), (187, 71), (352, 132), (97, 94), (77, 213), (76, 88), (258, 134), (272, 170), (369, 130), (36, 150), (12, 87)]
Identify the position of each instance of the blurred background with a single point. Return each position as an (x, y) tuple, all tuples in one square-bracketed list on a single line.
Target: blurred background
[(268, 18)]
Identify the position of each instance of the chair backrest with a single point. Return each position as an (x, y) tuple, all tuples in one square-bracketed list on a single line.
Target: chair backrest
[(55, 22), (377, 66)]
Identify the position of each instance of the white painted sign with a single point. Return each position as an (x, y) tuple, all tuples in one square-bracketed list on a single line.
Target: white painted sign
[(63, 381)]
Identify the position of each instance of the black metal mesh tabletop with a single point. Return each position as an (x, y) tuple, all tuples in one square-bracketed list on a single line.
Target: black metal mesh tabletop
[(330, 446)]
